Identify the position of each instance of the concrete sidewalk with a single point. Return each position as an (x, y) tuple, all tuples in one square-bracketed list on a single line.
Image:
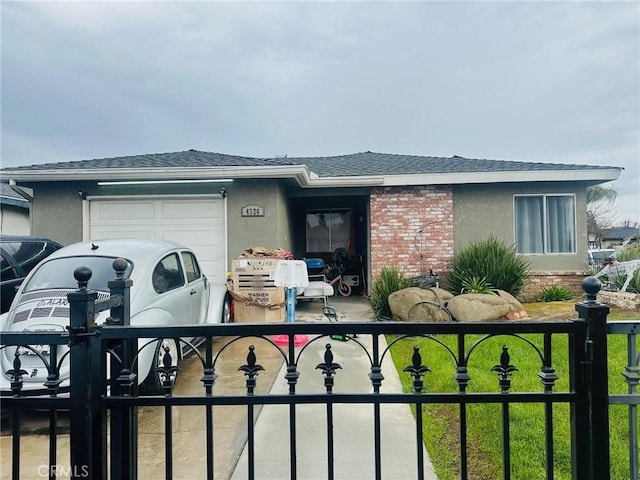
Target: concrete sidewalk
[(353, 427)]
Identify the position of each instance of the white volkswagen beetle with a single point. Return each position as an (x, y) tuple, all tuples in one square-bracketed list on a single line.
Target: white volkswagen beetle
[(168, 289)]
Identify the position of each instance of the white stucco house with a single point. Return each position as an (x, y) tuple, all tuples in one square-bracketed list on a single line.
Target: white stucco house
[(413, 212)]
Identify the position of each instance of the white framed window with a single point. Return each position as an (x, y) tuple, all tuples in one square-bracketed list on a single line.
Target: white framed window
[(545, 223)]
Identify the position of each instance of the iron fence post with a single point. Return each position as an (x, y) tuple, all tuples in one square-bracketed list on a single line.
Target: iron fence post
[(98, 414), (124, 421), (579, 410), (595, 314), (81, 317)]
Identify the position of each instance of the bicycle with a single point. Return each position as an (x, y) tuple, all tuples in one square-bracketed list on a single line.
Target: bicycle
[(343, 287), (336, 269)]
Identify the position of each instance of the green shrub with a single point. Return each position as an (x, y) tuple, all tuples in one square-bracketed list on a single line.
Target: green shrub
[(593, 269), (554, 293), (634, 284), (630, 252), (477, 285), (495, 261), (389, 280)]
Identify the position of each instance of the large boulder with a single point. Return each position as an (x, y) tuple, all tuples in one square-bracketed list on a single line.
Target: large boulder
[(516, 310), (478, 306), (416, 304)]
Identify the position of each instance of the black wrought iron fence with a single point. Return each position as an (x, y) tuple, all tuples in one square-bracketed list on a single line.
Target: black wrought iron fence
[(104, 403), (630, 398)]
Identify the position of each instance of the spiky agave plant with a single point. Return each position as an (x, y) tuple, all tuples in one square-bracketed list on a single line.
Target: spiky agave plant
[(477, 285), (495, 261)]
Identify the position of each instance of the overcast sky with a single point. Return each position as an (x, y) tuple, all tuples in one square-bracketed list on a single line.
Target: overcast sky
[(532, 81)]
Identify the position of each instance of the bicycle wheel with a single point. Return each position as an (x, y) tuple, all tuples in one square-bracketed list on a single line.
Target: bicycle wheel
[(344, 288)]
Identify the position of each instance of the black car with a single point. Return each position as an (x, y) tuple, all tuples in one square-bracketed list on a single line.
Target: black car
[(19, 256)]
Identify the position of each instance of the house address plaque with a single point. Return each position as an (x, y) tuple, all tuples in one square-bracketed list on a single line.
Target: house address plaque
[(252, 211)]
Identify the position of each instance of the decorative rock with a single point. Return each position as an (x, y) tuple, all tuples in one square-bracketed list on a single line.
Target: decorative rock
[(516, 310), (623, 300), (441, 293), (478, 307), (406, 304)]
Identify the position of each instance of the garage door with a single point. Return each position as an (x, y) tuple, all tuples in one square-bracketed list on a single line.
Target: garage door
[(196, 222)]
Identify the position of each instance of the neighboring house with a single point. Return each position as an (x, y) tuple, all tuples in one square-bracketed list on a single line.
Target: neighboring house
[(412, 212), (615, 236), (14, 212)]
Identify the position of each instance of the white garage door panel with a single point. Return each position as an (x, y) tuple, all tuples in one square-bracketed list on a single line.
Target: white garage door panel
[(206, 246), (198, 223), (178, 211), (120, 232), (106, 211), (195, 238), (212, 267)]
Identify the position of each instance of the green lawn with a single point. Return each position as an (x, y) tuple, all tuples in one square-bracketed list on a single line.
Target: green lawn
[(441, 433)]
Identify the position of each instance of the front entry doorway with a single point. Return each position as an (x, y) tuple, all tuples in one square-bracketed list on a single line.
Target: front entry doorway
[(335, 230)]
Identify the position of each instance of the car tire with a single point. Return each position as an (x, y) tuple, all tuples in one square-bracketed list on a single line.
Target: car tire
[(227, 310), (152, 384)]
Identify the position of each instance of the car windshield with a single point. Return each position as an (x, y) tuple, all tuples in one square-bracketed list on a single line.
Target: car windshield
[(58, 273)]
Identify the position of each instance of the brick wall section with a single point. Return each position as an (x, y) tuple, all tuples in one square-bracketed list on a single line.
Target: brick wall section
[(539, 280), (397, 216), (399, 213)]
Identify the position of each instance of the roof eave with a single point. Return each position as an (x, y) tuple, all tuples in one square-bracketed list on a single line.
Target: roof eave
[(298, 172), (14, 202), (305, 179), (600, 175)]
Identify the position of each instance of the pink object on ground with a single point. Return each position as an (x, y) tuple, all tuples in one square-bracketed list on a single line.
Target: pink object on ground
[(298, 340)]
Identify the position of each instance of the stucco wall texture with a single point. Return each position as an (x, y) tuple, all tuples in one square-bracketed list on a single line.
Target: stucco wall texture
[(411, 229)]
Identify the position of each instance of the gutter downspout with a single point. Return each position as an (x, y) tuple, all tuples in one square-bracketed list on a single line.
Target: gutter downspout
[(20, 191)]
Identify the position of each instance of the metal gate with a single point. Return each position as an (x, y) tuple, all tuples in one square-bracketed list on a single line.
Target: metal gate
[(104, 407)]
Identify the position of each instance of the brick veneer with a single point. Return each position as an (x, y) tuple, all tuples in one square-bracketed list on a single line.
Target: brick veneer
[(397, 216), (539, 280), (399, 213)]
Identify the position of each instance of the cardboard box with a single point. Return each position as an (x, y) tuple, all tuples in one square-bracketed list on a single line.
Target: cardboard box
[(248, 264), (254, 273), (243, 314), (255, 295), (259, 306)]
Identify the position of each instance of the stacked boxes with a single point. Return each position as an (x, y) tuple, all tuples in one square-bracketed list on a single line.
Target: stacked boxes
[(256, 297)]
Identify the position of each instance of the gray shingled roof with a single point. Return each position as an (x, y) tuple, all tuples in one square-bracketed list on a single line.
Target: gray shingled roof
[(371, 163), (356, 164), (9, 197), (617, 233)]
